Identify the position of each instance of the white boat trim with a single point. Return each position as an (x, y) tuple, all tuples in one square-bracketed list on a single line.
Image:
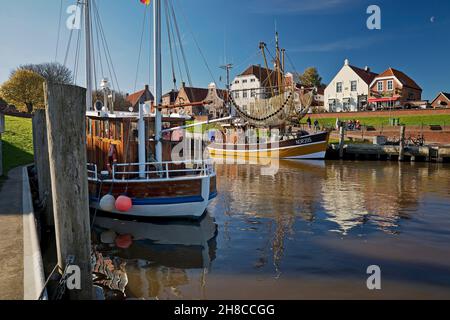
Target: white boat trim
[(266, 150)]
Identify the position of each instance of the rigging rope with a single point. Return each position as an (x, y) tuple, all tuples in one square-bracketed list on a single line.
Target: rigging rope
[(180, 43), (140, 48), (106, 50), (59, 30), (174, 79), (196, 43)]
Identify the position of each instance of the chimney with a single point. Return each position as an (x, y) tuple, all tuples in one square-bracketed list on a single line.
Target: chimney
[(367, 69), (346, 62), (183, 84), (147, 87)]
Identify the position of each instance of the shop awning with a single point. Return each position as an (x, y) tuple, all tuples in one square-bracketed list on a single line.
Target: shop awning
[(383, 99)]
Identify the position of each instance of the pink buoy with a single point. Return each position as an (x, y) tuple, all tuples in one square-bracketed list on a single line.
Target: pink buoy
[(124, 241), (124, 204)]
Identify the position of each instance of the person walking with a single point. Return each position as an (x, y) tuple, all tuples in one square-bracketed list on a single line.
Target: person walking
[(308, 121), (316, 125)]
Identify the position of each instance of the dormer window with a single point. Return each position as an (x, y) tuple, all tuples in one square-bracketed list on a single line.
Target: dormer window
[(380, 86)]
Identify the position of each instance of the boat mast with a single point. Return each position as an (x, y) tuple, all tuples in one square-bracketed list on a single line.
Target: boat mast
[(157, 76), (87, 19)]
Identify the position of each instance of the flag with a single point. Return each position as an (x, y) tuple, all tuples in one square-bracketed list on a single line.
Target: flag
[(146, 2)]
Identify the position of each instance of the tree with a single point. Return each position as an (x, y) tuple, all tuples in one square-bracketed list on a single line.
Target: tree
[(311, 78), (24, 89), (52, 72)]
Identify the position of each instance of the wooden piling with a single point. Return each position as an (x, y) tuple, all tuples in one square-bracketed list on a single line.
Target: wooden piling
[(341, 141), (65, 115), (41, 161), (401, 152)]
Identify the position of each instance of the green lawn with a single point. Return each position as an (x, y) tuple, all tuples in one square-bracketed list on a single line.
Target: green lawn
[(17, 143), (443, 120)]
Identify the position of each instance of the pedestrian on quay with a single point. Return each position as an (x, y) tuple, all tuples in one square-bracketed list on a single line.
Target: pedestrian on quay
[(308, 121), (316, 125)]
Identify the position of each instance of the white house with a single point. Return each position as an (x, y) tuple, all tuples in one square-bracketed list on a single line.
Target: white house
[(249, 85), (349, 90)]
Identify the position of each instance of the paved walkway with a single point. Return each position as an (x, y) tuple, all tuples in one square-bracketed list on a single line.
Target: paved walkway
[(11, 237)]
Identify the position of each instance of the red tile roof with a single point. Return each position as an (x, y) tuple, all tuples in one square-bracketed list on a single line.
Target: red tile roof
[(445, 94), (196, 94), (261, 73), (367, 76), (402, 77), (135, 98)]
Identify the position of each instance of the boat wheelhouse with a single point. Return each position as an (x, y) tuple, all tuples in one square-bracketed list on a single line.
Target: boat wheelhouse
[(121, 153)]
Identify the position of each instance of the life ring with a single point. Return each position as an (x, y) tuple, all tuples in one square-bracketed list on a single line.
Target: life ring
[(112, 158)]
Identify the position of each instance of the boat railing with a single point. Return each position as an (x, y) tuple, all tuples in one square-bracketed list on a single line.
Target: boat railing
[(161, 170), (92, 171)]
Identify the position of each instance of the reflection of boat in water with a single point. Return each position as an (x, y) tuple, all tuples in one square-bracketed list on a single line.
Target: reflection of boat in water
[(158, 261), (180, 244)]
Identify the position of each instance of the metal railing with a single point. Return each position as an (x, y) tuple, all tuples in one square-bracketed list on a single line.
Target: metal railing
[(161, 170), (92, 171), (155, 170)]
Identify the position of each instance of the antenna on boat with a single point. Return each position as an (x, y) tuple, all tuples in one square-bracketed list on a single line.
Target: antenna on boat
[(87, 17)]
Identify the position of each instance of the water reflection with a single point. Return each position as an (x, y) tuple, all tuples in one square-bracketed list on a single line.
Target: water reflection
[(158, 261), (301, 233)]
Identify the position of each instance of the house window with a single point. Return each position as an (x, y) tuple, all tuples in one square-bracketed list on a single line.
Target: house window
[(236, 94), (253, 93), (353, 86), (244, 81), (380, 86), (339, 87), (252, 80), (244, 94), (390, 85), (236, 82)]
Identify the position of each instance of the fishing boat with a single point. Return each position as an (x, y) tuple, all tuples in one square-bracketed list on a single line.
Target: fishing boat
[(131, 170), (261, 129)]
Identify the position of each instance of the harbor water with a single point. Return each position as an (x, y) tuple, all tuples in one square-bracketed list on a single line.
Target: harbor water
[(309, 231)]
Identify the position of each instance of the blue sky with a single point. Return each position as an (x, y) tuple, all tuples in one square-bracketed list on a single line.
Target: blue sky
[(319, 33)]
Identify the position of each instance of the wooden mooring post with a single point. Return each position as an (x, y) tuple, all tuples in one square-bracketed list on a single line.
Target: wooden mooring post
[(65, 115), (401, 152), (42, 164), (341, 141)]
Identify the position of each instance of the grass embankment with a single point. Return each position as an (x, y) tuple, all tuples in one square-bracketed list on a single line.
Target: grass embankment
[(17, 143), (443, 120)]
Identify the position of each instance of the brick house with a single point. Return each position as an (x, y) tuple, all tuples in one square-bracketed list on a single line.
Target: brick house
[(394, 89), (140, 97), (206, 102), (441, 101)]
